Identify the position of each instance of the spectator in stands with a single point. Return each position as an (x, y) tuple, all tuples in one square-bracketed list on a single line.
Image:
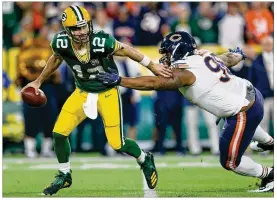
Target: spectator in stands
[(230, 22), (38, 16), (181, 12), (168, 112), (103, 22), (24, 32), (112, 9), (124, 26), (259, 23), (54, 27), (151, 25), (243, 7), (192, 114), (51, 11), (134, 9), (92, 7), (262, 79), (32, 58), (12, 14), (203, 25)]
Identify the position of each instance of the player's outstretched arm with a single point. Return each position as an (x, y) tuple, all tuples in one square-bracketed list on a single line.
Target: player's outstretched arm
[(180, 78), (157, 69), (230, 59), (151, 83), (52, 64), (233, 57)]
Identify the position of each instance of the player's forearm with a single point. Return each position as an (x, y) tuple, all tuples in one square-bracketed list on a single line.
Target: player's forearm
[(52, 64), (133, 54), (230, 59), (150, 83)]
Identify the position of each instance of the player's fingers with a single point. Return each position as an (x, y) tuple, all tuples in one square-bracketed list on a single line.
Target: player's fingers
[(36, 91), (100, 74), (22, 89), (112, 70), (166, 75), (167, 72), (166, 68)]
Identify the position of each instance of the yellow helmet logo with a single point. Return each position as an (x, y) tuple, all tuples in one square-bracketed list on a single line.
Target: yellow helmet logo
[(64, 17)]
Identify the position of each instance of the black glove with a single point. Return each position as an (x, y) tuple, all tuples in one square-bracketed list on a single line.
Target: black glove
[(110, 78), (238, 50)]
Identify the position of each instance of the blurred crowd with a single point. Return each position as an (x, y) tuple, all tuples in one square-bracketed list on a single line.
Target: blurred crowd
[(30, 26), (145, 23)]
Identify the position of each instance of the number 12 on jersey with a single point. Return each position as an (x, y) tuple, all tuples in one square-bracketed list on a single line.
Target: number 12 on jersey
[(100, 42)]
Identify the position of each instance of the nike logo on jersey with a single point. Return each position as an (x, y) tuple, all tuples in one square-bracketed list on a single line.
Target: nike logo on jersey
[(107, 95)]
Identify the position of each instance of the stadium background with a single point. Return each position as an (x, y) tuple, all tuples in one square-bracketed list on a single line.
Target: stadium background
[(25, 20)]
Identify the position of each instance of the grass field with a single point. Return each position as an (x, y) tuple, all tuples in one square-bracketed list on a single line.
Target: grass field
[(121, 177)]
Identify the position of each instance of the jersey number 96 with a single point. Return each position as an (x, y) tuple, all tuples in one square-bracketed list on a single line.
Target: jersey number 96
[(216, 66)]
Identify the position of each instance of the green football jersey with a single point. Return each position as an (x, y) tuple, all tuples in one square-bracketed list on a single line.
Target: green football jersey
[(101, 46)]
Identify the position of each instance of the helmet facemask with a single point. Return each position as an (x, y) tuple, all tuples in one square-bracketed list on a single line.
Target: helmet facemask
[(80, 33), (177, 54), (165, 59)]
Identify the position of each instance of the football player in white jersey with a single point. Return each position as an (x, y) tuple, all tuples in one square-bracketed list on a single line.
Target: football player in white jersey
[(205, 80)]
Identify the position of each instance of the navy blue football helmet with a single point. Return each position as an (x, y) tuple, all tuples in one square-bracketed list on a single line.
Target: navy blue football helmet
[(175, 46)]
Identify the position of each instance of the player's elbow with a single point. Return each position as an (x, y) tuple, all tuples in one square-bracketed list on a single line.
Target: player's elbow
[(55, 60), (124, 51)]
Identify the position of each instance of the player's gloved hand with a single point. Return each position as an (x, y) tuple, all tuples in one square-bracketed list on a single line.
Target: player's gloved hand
[(240, 51), (110, 78)]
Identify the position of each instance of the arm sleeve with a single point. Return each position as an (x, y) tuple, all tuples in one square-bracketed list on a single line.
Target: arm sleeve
[(54, 47), (111, 44)]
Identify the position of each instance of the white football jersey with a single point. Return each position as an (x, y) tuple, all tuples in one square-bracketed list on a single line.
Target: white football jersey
[(215, 90)]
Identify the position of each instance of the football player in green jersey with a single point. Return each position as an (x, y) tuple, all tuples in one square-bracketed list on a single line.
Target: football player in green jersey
[(88, 52)]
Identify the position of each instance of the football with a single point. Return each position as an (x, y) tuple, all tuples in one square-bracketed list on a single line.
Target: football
[(32, 99)]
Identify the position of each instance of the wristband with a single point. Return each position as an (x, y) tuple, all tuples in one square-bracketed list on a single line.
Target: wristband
[(145, 61)]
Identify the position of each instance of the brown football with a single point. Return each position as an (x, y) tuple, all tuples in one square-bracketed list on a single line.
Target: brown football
[(32, 99)]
